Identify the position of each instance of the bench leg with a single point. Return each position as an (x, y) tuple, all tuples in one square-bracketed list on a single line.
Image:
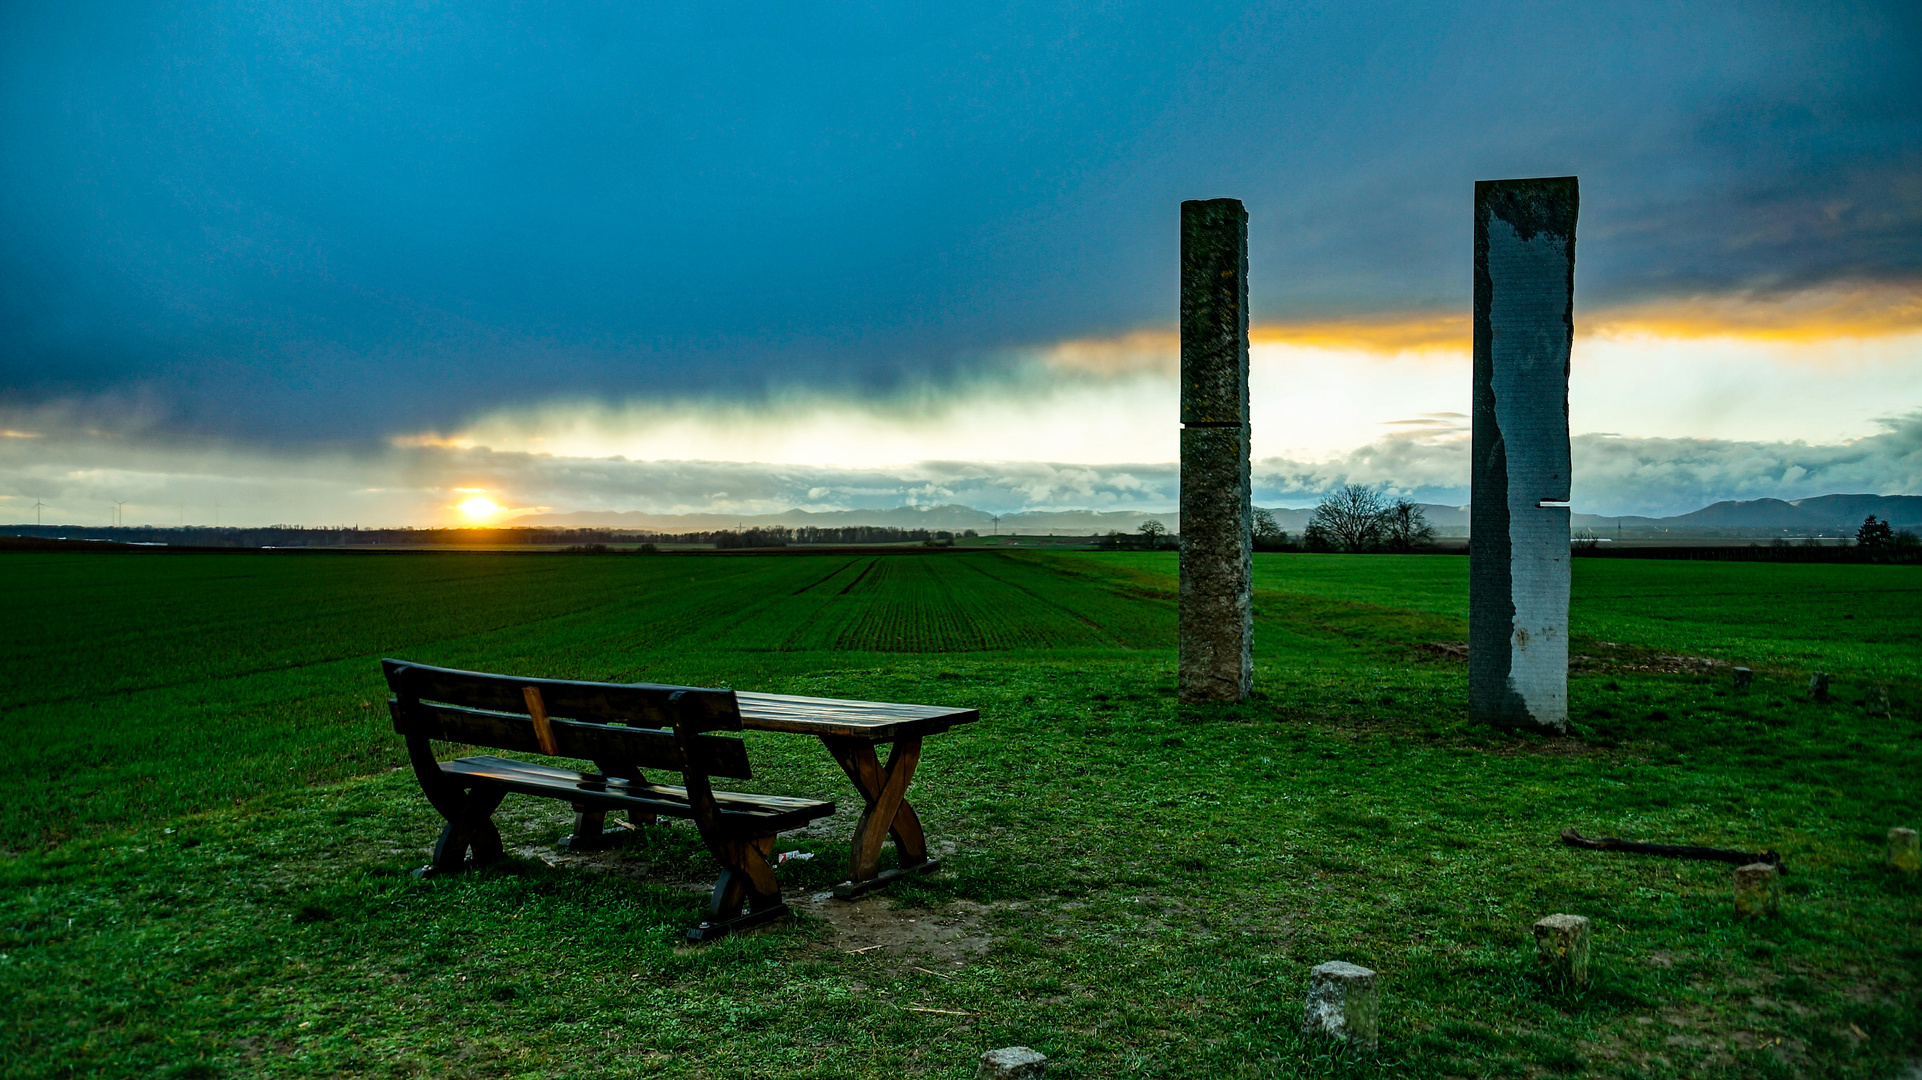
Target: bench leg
[(590, 827), (471, 827), (746, 881)]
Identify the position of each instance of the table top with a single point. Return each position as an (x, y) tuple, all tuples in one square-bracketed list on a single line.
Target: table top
[(874, 721)]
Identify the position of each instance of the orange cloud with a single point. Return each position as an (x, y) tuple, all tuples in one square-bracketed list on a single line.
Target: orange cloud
[(1850, 310), (1143, 350), (1404, 332)]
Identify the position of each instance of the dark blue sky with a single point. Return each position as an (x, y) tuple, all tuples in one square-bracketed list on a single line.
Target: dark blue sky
[(286, 222)]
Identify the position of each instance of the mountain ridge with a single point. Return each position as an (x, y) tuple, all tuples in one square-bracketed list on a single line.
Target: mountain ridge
[(1824, 512)]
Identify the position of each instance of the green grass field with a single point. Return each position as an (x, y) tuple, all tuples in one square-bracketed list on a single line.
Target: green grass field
[(206, 839)]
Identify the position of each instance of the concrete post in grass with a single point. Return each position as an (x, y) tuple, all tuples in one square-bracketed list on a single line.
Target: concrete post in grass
[(1216, 633), (1758, 891), (1344, 1002), (1904, 853), (1561, 946), (1520, 469), (1819, 686), (1012, 1063)]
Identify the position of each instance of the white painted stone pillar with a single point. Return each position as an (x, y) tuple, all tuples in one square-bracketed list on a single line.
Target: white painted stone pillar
[(1520, 470)]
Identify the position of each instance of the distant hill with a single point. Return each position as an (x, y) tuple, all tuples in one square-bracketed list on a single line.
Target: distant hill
[(951, 518), (1830, 513), (1823, 511)]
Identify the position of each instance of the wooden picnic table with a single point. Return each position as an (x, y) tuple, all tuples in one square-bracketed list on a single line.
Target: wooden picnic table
[(851, 730)]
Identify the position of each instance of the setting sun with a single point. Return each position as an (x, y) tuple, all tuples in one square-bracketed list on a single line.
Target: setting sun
[(480, 507)]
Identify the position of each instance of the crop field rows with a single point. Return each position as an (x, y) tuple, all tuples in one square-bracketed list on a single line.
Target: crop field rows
[(206, 841)]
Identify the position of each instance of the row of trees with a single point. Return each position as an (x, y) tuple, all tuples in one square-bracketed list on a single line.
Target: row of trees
[(1355, 518)]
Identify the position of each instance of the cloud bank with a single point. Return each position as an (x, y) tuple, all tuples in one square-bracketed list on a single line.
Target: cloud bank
[(77, 474)]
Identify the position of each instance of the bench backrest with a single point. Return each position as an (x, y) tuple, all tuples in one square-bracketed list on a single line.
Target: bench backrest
[(643, 725)]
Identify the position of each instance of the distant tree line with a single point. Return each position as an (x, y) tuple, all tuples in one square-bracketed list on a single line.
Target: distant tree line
[(590, 539), (1152, 536)]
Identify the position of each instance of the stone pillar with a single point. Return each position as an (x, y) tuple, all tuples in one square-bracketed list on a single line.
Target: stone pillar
[(1012, 1063), (1758, 891), (1519, 475), (1217, 570), (1561, 946), (1344, 1002), (1905, 854)]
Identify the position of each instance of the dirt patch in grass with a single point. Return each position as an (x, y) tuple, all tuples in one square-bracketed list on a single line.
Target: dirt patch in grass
[(1612, 657), (871, 926)]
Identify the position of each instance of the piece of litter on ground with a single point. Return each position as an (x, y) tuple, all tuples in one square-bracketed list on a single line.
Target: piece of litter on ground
[(797, 856), (870, 948)]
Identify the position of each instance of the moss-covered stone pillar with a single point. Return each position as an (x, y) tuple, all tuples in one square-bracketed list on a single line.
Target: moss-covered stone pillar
[(1519, 475), (1217, 613)]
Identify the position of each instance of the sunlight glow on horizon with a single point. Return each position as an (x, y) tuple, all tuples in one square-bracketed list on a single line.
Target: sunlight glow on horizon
[(1098, 401), (480, 508)]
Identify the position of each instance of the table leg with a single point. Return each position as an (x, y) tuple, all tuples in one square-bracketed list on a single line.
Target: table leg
[(887, 812)]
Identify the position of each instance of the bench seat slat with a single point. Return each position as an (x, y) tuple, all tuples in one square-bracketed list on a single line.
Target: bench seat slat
[(772, 812)]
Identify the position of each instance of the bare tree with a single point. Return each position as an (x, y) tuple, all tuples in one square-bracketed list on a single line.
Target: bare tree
[(1349, 519), (1268, 535), (1405, 527), (1152, 530)]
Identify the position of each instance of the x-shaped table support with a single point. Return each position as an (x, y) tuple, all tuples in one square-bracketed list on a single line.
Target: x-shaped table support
[(887, 812)]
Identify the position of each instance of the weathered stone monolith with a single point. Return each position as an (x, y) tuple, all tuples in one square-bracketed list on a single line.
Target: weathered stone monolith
[(1344, 1002), (1744, 679), (1819, 686), (1216, 661), (1519, 474)]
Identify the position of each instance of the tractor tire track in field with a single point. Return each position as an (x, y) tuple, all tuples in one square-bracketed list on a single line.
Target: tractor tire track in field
[(1090, 623), (825, 580), (845, 589)]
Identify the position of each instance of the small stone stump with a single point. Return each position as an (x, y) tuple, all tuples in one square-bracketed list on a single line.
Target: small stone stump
[(1344, 1003), (1744, 678), (1904, 855), (1758, 890), (1012, 1063), (1819, 685), (1878, 701), (1561, 945)]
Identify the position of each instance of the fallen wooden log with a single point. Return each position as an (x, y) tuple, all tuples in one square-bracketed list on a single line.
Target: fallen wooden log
[(1672, 851)]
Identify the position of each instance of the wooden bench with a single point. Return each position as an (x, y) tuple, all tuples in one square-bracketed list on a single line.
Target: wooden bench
[(623, 728)]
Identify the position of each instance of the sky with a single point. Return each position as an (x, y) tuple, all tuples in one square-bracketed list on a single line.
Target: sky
[(373, 262)]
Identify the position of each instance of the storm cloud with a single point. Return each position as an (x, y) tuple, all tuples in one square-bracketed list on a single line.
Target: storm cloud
[(280, 224)]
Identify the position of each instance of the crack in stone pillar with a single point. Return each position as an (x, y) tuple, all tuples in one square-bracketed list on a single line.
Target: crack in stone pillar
[(1520, 470), (1216, 661)]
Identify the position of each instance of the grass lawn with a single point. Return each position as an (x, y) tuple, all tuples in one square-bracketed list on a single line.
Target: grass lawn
[(205, 840)]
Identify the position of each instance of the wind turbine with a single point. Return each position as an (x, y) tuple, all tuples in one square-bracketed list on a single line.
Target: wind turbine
[(119, 512), (37, 505)]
